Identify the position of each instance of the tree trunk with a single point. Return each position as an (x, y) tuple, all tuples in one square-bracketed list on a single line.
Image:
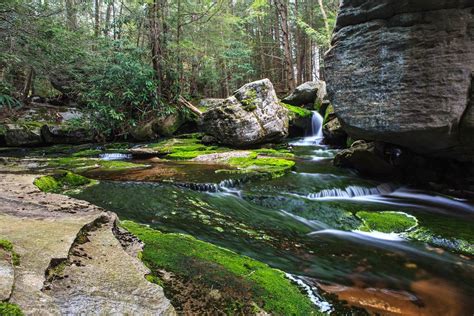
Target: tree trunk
[(325, 17), (71, 15), (28, 84), (107, 18), (156, 55), (96, 18), (282, 7)]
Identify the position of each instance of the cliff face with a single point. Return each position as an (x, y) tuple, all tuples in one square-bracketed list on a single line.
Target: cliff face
[(401, 71)]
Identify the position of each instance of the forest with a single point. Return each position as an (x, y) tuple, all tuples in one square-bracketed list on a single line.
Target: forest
[(237, 157), (129, 60)]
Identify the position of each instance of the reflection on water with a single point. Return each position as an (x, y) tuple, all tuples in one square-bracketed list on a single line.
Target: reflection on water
[(305, 224)]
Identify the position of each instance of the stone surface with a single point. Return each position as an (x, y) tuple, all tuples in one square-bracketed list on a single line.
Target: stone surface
[(401, 71), (17, 135), (99, 278), (251, 116), (43, 227), (307, 93)]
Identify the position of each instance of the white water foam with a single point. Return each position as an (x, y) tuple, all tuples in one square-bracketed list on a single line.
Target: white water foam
[(115, 156), (312, 293), (351, 192)]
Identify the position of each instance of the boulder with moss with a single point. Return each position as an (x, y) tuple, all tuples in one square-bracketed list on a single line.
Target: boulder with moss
[(253, 115)]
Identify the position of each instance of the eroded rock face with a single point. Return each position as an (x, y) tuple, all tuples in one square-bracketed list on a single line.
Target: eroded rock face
[(251, 116), (401, 71), (307, 93)]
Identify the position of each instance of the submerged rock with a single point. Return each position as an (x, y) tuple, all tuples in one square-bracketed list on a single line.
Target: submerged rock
[(251, 116), (307, 93), (401, 71)]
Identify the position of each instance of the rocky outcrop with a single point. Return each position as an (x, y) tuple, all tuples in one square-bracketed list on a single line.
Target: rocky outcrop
[(160, 126), (251, 116), (72, 260), (310, 92), (401, 71)]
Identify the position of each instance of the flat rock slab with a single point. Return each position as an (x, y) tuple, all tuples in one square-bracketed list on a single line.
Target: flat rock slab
[(99, 278), (43, 227)]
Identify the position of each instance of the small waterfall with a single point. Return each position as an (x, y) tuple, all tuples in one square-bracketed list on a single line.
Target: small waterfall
[(115, 156), (223, 186), (316, 135), (351, 191)]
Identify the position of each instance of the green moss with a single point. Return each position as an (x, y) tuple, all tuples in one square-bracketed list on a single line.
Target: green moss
[(87, 153), (329, 111), (386, 222), (7, 309), (296, 110), (249, 101), (187, 147), (274, 152), (274, 167), (185, 256), (61, 182), (8, 246), (76, 164)]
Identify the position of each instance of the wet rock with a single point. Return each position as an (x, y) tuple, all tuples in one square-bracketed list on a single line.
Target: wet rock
[(17, 135), (251, 116), (365, 158), (334, 134), (400, 71), (307, 93)]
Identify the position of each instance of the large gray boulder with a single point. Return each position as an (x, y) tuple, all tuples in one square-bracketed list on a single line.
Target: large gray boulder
[(401, 71), (310, 92), (251, 116)]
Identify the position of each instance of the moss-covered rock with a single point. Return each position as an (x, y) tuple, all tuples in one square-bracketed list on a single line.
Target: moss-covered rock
[(62, 182), (253, 164), (77, 164), (296, 111), (386, 222), (184, 148), (237, 283)]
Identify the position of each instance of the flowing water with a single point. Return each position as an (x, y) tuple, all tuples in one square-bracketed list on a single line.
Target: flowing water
[(305, 224)]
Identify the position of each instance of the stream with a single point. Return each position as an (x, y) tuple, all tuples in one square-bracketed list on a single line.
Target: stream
[(304, 223)]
